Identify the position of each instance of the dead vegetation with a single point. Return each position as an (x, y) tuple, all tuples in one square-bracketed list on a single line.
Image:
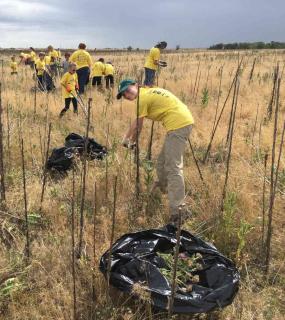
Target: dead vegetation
[(244, 217)]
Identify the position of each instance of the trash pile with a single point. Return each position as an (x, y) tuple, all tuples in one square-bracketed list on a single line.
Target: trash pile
[(206, 280), (62, 159)]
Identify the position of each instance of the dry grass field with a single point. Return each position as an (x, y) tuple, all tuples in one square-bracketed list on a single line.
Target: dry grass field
[(42, 287)]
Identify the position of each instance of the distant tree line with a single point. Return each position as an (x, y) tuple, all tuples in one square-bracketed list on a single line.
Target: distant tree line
[(248, 45)]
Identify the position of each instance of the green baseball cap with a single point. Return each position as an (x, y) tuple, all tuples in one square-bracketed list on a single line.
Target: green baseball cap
[(123, 86)]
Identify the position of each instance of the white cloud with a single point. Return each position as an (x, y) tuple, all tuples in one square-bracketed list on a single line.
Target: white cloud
[(24, 9)]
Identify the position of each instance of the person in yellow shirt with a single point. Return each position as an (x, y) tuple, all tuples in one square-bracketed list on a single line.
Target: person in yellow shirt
[(98, 70), (52, 52), (50, 70), (161, 105), (14, 65), (24, 58), (40, 68), (54, 59), (33, 57), (83, 61), (47, 59), (109, 75), (152, 63), (69, 83), (44, 78)]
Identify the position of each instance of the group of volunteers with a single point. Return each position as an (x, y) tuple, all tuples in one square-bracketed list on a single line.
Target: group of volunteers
[(156, 104), (48, 65), (87, 70)]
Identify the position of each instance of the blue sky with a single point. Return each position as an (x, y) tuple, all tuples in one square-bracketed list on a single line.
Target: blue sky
[(120, 23)]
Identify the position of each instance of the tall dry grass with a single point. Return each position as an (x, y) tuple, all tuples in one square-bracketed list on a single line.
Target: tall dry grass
[(43, 289)]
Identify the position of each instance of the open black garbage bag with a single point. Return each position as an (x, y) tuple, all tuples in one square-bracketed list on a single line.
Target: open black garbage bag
[(61, 159), (134, 259), (94, 149)]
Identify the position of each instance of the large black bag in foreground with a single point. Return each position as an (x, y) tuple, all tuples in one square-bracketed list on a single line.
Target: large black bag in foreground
[(135, 259)]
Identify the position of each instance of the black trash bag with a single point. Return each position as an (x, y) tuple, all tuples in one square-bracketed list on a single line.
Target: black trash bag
[(61, 159), (134, 259), (94, 149)]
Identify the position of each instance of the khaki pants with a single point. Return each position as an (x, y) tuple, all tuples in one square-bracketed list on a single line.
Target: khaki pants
[(170, 166)]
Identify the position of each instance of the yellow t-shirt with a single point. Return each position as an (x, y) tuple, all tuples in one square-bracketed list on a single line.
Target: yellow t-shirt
[(33, 56), (70, 81), (14, 66), (24, 55), (109, 69), (161, 105), (40, 66), (154, 54), (53, 53), (82, 58), (98, 69), (47, 60)]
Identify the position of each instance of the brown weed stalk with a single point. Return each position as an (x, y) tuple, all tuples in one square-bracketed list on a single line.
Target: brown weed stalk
[(272, 182), (221, 112), (176, 253), (2, 168), (27, 248), (45, 168), (82, 204)]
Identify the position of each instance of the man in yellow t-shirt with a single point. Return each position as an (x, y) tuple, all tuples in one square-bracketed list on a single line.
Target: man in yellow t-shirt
[(33, 57), (98, 70), (69, 83), (54, 59), (44, 79), (83, 61), (152, 63), (47, 59), (40, 68), (24, 58), (14, 65), (109, 75), (161, 105), (52, 52)]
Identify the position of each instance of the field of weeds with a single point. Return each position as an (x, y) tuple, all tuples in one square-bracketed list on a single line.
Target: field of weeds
[(236, 197)]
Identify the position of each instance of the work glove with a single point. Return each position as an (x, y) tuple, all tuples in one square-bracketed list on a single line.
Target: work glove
[(162, 63), (132, 146), (128, 144)]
